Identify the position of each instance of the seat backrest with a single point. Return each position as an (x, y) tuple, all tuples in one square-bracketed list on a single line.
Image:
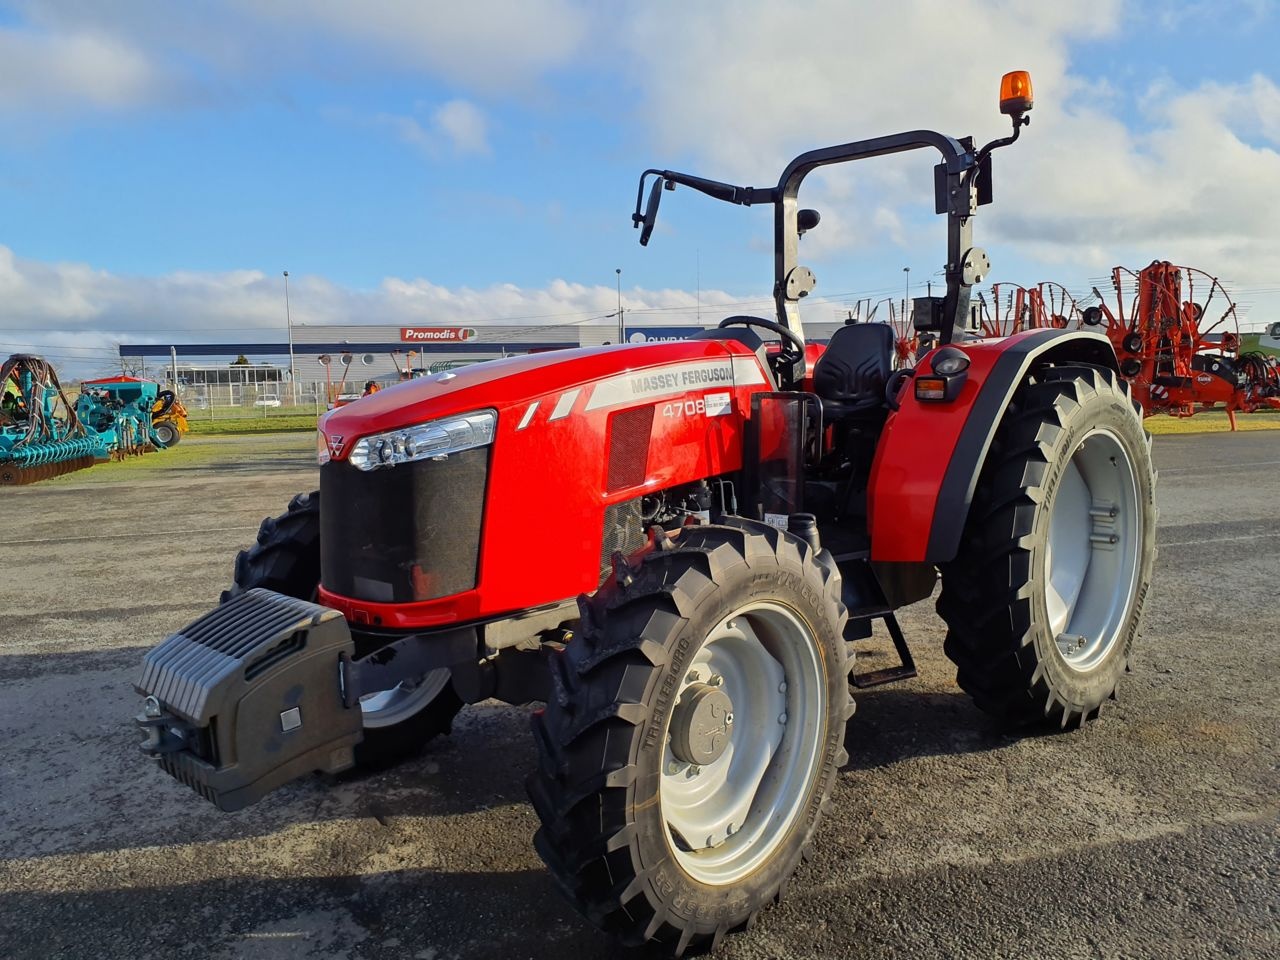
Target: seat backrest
[(854, 368)]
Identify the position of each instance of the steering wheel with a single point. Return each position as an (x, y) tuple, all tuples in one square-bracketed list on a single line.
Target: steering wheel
[(787, 363)]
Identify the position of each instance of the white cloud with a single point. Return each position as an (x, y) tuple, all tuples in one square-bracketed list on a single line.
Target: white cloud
[(43, 71), (77, 315), (465, 126), (491, 45), (1197, 186), (1087, 186), (133, 52), (457, 127)]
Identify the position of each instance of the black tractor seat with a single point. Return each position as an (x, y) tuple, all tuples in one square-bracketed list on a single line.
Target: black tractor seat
[(851, 374)]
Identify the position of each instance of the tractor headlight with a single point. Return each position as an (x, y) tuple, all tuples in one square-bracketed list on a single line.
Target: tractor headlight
[(425, 441)]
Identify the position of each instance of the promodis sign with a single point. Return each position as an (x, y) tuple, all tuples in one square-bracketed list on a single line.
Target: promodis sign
[(437, 334)]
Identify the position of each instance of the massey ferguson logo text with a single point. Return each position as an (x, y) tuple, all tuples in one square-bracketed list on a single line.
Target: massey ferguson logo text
[(436, 334), (690, 377)]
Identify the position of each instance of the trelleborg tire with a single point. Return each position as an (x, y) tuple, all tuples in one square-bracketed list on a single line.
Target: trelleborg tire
[(1045, 597), (694, 734), (286, 559)]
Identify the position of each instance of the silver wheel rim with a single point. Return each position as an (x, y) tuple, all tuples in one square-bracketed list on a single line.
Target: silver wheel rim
[(1092, 553), (389, 707), (724, 819)]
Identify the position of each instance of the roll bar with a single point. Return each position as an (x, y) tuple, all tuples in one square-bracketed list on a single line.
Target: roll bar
[(962, 182)]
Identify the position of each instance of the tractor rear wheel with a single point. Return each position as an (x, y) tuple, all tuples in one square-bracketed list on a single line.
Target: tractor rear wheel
[(1045, 597), (397, 722), (694, 734)]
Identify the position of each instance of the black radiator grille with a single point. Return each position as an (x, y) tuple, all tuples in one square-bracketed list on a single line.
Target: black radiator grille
[(624, 530), (403, 533)]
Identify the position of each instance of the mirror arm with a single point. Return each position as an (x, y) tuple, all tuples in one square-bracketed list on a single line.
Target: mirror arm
[(728, 192)]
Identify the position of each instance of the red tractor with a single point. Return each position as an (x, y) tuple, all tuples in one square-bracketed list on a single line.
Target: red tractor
[(729, 515)]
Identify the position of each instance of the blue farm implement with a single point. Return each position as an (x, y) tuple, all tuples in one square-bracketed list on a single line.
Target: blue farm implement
[(44, 434)]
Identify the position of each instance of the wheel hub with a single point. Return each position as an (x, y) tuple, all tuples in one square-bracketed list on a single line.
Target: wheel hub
[(701, 724)]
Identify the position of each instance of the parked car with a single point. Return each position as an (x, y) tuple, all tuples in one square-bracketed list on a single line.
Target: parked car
[(267, 400)]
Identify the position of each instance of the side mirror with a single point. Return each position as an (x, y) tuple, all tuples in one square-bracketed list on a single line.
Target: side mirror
[(651, 212)]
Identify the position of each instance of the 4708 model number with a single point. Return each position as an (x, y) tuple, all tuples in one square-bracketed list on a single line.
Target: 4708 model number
[(710, 405)]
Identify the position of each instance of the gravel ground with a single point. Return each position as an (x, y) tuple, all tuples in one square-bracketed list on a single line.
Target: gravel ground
[(1151, 833)]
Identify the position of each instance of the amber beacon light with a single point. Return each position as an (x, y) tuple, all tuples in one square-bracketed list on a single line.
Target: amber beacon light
[(1015, 93)]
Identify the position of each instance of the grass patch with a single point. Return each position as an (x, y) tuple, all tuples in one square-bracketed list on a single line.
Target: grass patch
[(1212, 421), (274, 423), (1250, 343), (192, 453)]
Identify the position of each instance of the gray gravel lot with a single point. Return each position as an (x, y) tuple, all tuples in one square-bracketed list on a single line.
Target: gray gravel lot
[(1151, 833)]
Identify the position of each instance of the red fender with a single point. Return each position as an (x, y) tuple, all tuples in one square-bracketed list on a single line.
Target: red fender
[(930, 454)]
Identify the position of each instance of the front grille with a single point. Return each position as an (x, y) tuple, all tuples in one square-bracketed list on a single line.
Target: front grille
[(403, 533)]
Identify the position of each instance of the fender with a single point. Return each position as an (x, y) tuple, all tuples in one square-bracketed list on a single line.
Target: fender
[(931, 454)]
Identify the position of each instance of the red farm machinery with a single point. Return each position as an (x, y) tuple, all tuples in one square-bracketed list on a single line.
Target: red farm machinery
[(1176, 333), (730, 515), (1013, 309)]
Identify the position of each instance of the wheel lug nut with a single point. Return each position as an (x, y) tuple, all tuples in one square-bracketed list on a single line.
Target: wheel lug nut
[(782, 687), (782, 718), (692, 676), (673, 767), (716, 680), (694, 769)]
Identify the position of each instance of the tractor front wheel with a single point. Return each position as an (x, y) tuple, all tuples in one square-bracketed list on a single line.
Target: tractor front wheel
[(397, 722), (694, 733), (1044, 600)]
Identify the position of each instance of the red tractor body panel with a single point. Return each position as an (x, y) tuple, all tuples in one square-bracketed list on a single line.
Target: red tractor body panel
[(578, 430)]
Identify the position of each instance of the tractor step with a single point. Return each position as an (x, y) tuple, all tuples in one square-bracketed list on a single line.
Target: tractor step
[(905, 670)]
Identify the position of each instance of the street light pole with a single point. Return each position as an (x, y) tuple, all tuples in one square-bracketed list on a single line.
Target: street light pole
[(288, 323), (622, 333), (906, 296)]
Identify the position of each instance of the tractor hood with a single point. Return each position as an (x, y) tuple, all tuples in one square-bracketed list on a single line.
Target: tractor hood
[(589, 378)]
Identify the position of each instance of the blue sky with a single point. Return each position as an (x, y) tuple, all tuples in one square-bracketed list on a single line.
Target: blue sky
[(160, 164)]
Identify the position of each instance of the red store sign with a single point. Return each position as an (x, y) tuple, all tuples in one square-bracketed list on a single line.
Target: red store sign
[(437, 334)]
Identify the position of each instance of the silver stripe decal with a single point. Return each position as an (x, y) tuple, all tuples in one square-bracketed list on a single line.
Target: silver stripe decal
[(528, 415), (675, 378), (747, 372), (564, 404)]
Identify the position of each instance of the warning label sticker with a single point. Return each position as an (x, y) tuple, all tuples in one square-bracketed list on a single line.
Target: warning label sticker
[(718, 404)]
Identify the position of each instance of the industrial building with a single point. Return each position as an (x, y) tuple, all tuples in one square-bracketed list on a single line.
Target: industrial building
[(333, 360)]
